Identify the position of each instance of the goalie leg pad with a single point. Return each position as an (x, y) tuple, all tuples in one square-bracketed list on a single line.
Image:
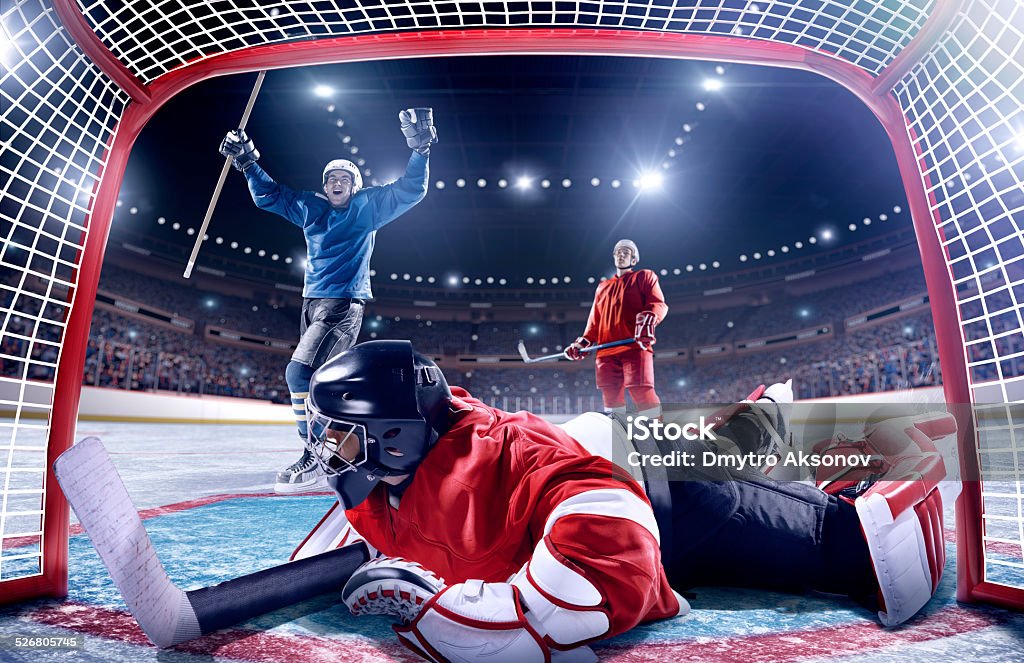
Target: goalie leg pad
[(902, 522), (907, 553), (474, 621)]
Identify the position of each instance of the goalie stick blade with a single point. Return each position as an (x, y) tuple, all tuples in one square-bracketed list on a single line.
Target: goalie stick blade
[(523, 353), (96, 493)]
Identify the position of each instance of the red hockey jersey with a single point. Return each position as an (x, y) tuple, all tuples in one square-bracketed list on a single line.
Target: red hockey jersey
[(496, 485), (616, 303)]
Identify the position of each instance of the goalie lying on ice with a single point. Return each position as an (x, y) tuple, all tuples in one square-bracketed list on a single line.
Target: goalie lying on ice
[(503, 537)]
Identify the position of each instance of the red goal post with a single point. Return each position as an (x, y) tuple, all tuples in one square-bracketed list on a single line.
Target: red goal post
[(940, 76)]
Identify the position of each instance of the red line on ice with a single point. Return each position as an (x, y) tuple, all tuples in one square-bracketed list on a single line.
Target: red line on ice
[(234, 644), (831, 641)]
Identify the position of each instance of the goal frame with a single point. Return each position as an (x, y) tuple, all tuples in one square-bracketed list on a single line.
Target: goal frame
[(873, 91)]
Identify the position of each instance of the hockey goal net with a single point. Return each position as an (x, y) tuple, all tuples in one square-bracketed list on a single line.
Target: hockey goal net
[(81, 78)]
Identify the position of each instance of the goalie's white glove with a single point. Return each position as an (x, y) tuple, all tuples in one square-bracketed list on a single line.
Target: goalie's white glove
[(418, 128), (390, 586), (471, 621), (239, 147)]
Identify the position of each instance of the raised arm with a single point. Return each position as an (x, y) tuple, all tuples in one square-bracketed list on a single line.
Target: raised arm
[(392, 200), (266, 193)]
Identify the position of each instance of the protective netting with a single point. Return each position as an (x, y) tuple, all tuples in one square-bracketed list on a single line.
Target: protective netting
[(965, 106), (58, 112), (963, 103), (152, 38)]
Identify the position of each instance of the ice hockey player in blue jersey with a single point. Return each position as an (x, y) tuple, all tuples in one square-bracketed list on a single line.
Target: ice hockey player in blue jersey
[(340, 224)]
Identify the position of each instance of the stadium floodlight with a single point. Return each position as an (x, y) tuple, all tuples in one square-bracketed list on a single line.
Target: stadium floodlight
[(713, 84), (650, 181), (323, 91), (453, 280), (523, 182), (826, 234)]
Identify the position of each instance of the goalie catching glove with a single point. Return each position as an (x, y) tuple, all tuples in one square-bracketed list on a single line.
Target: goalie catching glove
[(644, 335), (418, 128), (238, 147), (470, 621)]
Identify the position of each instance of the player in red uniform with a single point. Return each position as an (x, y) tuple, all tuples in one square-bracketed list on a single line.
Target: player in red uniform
[(628, 304), (544, 547), (504, 539)]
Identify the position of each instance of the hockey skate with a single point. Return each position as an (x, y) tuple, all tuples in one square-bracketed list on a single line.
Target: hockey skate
[(302, 476)]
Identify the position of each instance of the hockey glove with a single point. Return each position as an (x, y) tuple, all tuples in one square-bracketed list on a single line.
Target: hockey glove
[(575, 351), (239, 147), (645, 322), (418, 128), (390, 586)]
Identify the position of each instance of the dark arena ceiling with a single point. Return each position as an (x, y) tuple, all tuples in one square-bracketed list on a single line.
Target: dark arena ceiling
[(764, 163)]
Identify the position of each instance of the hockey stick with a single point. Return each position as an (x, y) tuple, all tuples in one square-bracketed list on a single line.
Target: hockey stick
[(220, 181), (561, 355), (167, 614)]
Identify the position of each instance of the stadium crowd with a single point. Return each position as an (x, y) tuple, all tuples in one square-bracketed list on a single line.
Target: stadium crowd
[(126, 352)]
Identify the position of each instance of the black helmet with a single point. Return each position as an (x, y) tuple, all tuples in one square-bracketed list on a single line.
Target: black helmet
[(374, 411)]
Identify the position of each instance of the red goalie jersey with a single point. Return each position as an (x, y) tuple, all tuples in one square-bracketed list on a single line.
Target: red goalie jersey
[(510, 498)]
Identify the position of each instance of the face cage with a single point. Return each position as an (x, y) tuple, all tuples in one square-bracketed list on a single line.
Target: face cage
[(326, 437)]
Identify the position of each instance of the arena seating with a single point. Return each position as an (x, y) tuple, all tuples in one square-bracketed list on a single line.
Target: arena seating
[(126, 352)]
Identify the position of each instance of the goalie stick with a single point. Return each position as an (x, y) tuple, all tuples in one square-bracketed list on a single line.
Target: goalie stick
[(167, 614), (561, 355)]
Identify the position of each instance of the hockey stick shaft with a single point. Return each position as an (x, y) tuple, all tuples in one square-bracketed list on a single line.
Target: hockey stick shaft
[(220, 180), (240, 599), (561, 355)]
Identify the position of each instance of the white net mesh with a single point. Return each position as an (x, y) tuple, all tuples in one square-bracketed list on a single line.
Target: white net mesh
[(58, 112), (963, 105), (155, 37)]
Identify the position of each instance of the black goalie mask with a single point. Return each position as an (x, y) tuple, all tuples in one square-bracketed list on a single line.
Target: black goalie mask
[(374, 411)]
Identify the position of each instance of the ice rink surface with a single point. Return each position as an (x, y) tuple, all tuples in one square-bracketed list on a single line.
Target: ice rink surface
[(204, 492)]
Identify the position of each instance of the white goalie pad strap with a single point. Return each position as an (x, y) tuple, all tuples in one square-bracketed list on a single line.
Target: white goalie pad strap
[(475, 621), (333, 531), (608, 502), (907, 551)]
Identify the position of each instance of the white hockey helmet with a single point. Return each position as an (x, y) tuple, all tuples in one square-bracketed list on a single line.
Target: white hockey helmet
[(628, 244), (348, 167)]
